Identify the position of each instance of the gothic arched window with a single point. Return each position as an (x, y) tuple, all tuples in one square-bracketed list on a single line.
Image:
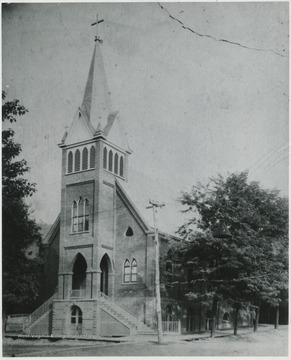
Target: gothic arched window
[(86, 215), (126, 271), (77, 160), (70, 162), (105, 158), (74, 217), (116, 164), (85, 159), (92, 157), (121, 166), (133, 270), (80, 215), (129, 231), (110, 160)]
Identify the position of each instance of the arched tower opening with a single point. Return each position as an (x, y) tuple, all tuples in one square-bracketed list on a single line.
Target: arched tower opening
[(106, 270), (79, 277)]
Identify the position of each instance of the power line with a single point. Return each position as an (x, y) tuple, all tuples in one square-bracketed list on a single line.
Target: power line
[(185, 27)]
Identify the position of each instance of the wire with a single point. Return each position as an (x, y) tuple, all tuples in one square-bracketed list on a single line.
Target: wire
[(217, 39)]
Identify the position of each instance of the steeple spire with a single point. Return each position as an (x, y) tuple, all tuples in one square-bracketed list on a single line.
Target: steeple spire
[(96, 101)]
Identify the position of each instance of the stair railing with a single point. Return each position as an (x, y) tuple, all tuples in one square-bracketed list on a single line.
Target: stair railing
[(39, 311)]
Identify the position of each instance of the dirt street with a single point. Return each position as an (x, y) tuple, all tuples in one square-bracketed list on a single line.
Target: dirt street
[(266, 342)]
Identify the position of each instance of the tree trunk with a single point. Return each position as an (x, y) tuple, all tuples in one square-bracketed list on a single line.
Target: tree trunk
[(236, 311), (257, 318), (277, 317), (213, 320)]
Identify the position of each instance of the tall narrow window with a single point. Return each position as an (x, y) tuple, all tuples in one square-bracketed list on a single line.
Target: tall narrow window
[(74, 217), (105, 158), (110, 160), (80, 214), (126, 271), (70, 162), (85, 159), (86, 215), (116, 164), (92, 157), (121, 166), (77, 160), (133, 271)]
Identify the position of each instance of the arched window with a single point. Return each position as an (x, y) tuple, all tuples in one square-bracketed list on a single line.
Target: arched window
[(74, 217), (86, 215), (121, 166), (70, 162), (126, 271), (77, 160), (129, 231), (85, 159), (80, 215), (76, 315), (116, 164), (105, 158), (110, 160), (133, 271), (92, 157)]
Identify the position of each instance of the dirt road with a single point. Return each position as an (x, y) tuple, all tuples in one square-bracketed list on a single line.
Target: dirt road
[(265, 342)]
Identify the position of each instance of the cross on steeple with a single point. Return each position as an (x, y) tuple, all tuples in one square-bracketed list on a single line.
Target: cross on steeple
[(97, 38)]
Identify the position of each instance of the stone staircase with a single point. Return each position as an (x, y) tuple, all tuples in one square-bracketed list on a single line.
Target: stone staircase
[(38, 322), (123, 316)]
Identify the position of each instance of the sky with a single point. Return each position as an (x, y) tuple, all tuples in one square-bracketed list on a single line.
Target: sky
[(210, 97)]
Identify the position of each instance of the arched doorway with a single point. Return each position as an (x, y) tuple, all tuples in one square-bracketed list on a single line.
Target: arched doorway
[(105, 267), (79, 277)]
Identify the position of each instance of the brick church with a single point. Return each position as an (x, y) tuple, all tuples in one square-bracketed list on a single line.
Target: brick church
[(100, 252)]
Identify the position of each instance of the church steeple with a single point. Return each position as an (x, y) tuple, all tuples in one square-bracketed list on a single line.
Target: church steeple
[(95, 118), (96, 101)]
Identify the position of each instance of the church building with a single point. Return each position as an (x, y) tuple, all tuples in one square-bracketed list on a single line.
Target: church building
[(100, 252)]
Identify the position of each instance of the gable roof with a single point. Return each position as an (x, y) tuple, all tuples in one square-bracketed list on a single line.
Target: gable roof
[(52, 232), (115, 133), (143, 215), (80, 130)]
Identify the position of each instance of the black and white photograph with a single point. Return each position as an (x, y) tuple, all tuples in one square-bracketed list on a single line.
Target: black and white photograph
[(145, 154)]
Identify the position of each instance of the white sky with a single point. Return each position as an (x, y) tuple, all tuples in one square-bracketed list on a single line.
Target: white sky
[(192, 106)]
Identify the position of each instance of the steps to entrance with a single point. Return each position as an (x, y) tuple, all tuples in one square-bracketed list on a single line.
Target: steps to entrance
[(39, 321), (122, 315)]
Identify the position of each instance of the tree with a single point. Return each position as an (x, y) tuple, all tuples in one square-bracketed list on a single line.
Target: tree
[(21, 276), (244, 269)]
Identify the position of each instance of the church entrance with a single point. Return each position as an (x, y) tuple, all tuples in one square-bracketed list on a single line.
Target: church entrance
[(105, 269), (79, 278)]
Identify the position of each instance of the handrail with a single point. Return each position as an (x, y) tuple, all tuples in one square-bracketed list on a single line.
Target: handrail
[(40, 310), (107, 298)]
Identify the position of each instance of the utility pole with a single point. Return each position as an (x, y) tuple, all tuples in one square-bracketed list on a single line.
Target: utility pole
[(154, 206)]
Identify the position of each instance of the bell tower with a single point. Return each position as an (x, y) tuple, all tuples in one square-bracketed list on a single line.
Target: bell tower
[(94, 153)]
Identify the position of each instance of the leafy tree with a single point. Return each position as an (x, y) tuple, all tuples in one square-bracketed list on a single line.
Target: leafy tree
[(246, 268), (21, 276)]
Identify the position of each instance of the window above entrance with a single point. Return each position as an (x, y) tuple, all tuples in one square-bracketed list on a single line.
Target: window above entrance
[(80, 216)]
